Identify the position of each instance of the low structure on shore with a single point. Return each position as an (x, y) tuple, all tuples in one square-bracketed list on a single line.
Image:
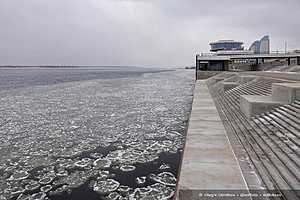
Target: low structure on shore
[(248, 62)]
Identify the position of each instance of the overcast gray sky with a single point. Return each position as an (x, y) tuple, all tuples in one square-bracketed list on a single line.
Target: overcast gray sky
[(137, 32)]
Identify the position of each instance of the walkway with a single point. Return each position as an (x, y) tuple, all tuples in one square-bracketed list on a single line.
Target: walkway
[(208, 160)]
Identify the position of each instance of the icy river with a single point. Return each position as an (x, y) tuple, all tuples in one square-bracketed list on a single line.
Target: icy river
[(92, 132)]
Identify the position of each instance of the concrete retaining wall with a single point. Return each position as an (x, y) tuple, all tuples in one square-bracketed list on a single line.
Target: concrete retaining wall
[(206, 74)]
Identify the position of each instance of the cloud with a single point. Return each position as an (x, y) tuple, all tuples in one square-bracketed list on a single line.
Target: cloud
[(136, 32)]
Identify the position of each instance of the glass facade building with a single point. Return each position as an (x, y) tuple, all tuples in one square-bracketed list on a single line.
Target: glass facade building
[(261, 46), (255, 47), (226, 45), (265, 45)]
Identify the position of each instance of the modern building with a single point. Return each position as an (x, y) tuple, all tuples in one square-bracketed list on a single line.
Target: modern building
[(261, 46), (255, 47), (265, 45), (226, 45), (230, 55), (297, 51)]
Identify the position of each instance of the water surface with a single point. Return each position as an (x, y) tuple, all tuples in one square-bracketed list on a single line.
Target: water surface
[(92, 133)]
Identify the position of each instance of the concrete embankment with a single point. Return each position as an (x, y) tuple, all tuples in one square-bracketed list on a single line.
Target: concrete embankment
[(209, 163)]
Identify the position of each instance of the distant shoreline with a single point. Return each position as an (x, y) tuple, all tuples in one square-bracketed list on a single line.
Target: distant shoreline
[(48, 66), (85, 66)]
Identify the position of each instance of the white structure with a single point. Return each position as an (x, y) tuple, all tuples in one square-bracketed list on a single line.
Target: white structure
[(234, 52)]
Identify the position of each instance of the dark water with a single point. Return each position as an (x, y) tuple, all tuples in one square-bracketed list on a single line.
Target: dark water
[(56, 120)]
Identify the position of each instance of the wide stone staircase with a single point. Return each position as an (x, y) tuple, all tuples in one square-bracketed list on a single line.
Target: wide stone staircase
[(262, 119)]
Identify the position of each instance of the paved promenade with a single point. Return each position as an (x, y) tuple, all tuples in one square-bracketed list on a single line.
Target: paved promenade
[(208, 160)]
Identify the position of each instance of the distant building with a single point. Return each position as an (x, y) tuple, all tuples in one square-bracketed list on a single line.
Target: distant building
[(255, 47), (265, 45), (226, 45), (297, 51), (261, 46)]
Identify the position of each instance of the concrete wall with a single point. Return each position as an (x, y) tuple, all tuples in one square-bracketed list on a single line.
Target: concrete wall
[(206, 74)]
